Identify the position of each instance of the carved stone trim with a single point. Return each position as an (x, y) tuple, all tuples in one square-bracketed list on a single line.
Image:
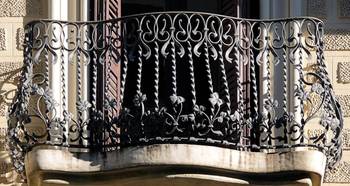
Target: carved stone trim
[(317, 8), (20, 38), (338, 175), (337, 39), (2, 39), (344, 101), (344, 72), (344, 8), (20, 8)]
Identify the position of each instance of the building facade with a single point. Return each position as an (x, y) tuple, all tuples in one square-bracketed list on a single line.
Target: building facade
[(175, 97)]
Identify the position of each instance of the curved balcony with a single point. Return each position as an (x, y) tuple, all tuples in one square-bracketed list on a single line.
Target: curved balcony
[(157, 84)]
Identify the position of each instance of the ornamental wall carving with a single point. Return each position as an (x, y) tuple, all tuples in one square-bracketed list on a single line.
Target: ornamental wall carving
[(337, 39), (344, 101), (20, 8), (19, 38), (2, 39), (343, 72)]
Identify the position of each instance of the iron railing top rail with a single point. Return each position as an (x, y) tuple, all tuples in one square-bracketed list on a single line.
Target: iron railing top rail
[(175, 77), (122, 18)]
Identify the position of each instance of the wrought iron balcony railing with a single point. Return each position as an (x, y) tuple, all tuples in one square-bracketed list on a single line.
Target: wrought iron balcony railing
[(175, 77)]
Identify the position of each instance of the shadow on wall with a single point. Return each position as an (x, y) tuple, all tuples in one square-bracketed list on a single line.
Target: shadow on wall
[(8, 83), (9, 79)]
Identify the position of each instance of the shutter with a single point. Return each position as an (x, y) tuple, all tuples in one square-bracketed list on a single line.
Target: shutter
[(112, 9), (240, 8), (106, 10), (229, 7), (108, 73), (112, 67)]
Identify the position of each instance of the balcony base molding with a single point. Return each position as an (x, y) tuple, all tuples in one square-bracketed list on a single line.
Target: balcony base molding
[(173, 165)]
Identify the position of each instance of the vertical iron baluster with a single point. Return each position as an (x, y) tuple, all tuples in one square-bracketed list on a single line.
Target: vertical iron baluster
[(265, 95), (285, 92), (139, 70), (79, 96), (46, 66), (295, 58), (284, 80), (208, 72), (141, 131), (268, 99), (301, 86), (254, 98), (124, 72), (192, 76), (237, 66), (254, 87), (108, 66), (173, 69), (63, 94), (94, 81), (156, 78), (46, 82), (223, 79)]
